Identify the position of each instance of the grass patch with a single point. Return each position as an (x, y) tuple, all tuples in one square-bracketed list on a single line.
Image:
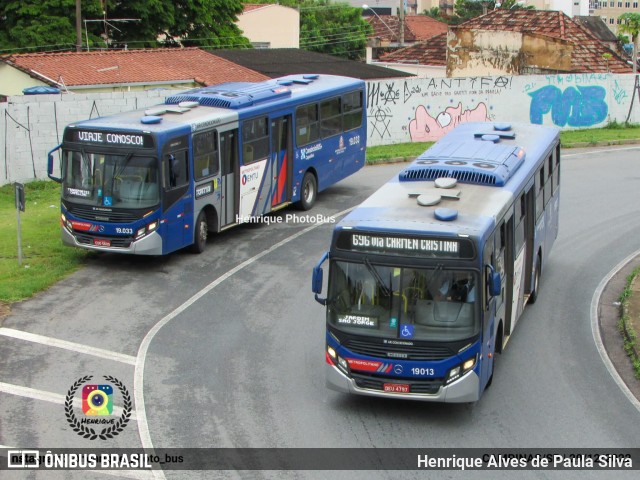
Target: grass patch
[(406, 151), (626, 325), (614, 132), (44, 259)]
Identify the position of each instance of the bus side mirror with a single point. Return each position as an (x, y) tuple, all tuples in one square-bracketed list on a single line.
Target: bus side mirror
[(495, 283), (316, 280), (50, 166)]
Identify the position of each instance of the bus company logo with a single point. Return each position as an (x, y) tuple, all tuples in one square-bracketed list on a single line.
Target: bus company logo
[(308, 153), (249, 177), (97, 401)]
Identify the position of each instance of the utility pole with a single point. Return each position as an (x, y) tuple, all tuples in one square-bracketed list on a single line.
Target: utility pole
[(78, 25), (401, 18)]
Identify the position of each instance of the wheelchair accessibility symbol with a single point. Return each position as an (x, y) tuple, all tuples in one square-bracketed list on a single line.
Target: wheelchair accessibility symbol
[(406, 331)]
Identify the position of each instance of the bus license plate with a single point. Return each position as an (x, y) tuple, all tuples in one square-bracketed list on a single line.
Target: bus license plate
[(101, 243), (396, 387)]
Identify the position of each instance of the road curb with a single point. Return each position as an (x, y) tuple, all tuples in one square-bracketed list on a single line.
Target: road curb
[(631, 319)]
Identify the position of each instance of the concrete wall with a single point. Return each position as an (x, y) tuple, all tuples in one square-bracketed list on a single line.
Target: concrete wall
[(274, 24), (412, 110), (13, 81), (403, 110)]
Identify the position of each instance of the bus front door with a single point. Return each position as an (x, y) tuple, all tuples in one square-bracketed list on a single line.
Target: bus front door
[(177, 199), (281, 160), (229, 191)]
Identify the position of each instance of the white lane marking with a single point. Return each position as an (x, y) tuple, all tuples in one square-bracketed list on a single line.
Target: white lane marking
[(595, 330), (138, 376), (50, 397), (593, 152), (66, 345)]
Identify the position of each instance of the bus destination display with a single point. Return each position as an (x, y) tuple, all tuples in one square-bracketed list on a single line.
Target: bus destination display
[(401, 245)]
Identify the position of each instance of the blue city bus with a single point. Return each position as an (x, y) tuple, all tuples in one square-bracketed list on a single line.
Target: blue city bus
[(154, 181), (429, 276)]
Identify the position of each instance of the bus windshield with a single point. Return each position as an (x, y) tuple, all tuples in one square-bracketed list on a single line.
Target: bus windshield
[(423, 304), (123, 180)]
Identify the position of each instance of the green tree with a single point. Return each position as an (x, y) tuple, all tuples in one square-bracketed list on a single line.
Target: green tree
[(467, 9), (329, 27), (630, 23), (201, 23), (29, 25), (34, 24), (436, 14)]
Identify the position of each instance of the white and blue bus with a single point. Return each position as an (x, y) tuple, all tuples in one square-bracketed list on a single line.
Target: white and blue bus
[(154, 181), (429, 276)]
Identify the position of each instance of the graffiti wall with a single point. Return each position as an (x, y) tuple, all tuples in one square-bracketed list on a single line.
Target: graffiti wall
[(423, 110)]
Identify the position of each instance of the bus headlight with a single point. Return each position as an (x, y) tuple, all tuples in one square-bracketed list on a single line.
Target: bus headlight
[(459, 370), (342, 363), (332, 353), (147, 229), (66, 223)]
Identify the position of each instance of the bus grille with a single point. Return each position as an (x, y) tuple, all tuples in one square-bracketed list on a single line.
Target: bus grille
[(88, 213), (412, 352), (415, 386), (117, 242)]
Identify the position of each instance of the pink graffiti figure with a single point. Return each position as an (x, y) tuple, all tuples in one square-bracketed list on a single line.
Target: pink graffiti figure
[(425, 128)]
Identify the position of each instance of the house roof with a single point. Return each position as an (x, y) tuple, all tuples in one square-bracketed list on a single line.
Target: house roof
[(416, 27), (597, 27), (431, 52), (588, 50), (277, 62), (247, 7), (131, 66)]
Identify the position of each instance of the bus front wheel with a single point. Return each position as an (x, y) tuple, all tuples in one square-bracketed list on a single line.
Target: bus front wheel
[(200, 235), (308, 192)]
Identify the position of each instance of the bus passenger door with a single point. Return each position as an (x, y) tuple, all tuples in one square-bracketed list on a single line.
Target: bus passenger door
[(281, 160), (229, 193), (519, 251), (509, 259), (177, 201)]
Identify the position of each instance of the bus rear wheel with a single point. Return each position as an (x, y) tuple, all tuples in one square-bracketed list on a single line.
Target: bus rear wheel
[(200, 235), (308, 192)]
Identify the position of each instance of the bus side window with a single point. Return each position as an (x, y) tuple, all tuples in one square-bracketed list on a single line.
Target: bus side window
[(255, 140), (307, 127), (352, 109), (205, 154), (176, 170), (330, 117)]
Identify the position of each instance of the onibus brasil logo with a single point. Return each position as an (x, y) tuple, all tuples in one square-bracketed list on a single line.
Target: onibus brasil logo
[(97, 407)]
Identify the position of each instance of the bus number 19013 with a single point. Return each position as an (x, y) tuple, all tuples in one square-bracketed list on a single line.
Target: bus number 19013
[(423, 371)]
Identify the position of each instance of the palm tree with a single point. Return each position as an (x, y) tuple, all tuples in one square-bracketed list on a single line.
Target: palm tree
[(630, 23)]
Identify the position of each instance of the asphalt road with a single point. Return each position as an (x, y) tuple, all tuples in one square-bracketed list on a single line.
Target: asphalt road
[(226, 349)]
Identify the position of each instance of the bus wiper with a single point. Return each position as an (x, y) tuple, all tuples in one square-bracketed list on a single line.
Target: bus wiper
[(372, 270)]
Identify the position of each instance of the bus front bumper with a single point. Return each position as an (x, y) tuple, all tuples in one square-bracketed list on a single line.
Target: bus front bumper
[(148, 245), (465, 389)]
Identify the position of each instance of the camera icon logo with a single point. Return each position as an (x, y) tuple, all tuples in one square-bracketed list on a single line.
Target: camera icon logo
[(97, 400)]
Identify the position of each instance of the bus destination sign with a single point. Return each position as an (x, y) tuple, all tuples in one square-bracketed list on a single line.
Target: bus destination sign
[(129, 139), (402, 245)]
